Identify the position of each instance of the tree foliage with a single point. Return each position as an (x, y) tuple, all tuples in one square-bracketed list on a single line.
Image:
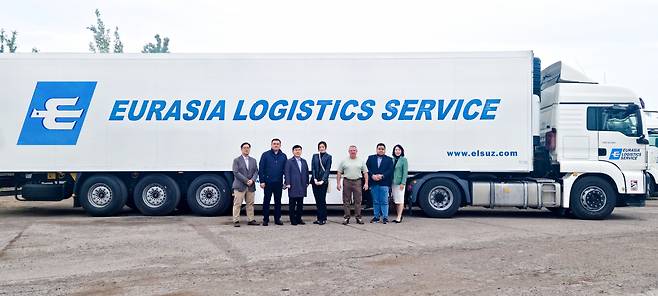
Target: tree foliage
[(8, 43), (160, 46), (102, 39), (118, 45)]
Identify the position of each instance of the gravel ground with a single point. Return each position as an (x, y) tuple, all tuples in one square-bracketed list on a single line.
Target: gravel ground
[(53, 249)]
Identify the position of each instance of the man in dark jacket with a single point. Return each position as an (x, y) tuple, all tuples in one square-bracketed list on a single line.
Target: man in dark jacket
[(320, 168), (380, 172), (270, 175), (297, 180)]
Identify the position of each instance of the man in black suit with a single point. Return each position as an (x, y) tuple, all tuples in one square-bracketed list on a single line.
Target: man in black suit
[(296, 181), (380, 173)]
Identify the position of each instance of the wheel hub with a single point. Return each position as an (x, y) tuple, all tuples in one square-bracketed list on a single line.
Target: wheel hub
[(441, 198), (208, 195), (593, 198), (100, 195), (154, 195)]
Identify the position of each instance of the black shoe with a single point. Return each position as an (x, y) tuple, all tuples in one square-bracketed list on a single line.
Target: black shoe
[(317, 222), (384, 221), (293, 224), (253, 222), (278, 223), (301, 222), (322, 223), (265, 223), (236, 224), (397, 221), (374, 220), (359, 221), (346, 221)]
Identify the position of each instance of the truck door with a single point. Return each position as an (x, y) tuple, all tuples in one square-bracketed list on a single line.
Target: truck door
[(621, 141)]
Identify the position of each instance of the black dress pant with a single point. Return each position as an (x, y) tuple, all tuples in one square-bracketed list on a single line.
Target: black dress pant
[(320, 194), (276, 190), (296, 209)]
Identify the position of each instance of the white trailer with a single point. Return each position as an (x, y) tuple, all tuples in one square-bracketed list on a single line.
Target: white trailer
[(161, 130)]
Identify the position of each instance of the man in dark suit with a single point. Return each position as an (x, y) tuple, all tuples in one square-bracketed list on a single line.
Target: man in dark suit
[(296, 181), (245, 172), (272, 163), (380, 173)]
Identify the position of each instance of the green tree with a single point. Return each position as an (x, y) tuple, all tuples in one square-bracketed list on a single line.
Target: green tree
[(102, 40), (160, 46), (8, 41), (118, 45)]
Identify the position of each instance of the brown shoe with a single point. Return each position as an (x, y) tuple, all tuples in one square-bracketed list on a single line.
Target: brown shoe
[(253, 222)]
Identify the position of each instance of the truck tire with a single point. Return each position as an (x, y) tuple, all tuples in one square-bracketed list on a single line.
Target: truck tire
[(209, 195), (103, 195), (156, 195), (592, 198), (440, 198)]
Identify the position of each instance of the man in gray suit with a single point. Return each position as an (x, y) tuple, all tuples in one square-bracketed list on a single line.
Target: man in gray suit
[(245, 172)]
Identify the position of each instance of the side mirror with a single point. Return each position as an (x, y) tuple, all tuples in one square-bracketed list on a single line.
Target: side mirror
[(642, 140)]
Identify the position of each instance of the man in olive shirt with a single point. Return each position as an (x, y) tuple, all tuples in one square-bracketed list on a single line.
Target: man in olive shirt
[(353, 169)]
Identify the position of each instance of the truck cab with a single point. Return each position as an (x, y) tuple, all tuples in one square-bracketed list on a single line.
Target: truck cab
[(596, 141)]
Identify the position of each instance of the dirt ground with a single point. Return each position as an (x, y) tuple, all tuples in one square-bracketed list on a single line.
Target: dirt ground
[(53, 249)]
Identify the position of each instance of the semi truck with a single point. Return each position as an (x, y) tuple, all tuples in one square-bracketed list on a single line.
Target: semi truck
[(157, 132)]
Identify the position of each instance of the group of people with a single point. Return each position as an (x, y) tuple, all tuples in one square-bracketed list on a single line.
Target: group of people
[(275, 172)]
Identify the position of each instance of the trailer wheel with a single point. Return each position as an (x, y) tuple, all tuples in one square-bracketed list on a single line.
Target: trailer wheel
[(156, 195), (440, 198), (103, 195), (209, 195), (592, 198)]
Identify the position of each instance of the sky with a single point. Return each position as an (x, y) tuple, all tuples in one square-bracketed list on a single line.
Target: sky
[(613, 42)]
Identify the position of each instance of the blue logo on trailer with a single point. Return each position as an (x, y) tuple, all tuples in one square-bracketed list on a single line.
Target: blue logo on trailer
[(615, 154), (56, 113)]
